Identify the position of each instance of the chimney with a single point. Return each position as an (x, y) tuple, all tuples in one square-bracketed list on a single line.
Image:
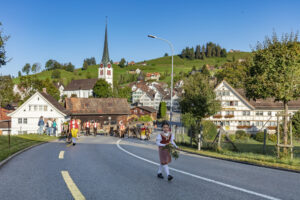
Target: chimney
[(45, 90)]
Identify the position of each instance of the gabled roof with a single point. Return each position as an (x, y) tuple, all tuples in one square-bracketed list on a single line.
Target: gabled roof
[(147, 108), (268, 103), (55, 103), (103, 106), (81, 84), (49, 99)]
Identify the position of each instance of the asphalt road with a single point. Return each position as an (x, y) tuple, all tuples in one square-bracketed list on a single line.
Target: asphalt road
[(102, 169)]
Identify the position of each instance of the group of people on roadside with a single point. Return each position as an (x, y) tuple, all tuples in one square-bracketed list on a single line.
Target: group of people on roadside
[(47, 126)]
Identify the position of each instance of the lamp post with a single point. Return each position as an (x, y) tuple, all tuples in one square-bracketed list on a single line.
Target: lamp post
[(172, 51)]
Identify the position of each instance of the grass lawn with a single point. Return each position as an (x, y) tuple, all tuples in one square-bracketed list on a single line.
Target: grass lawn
[(250, 151), (20, 142)]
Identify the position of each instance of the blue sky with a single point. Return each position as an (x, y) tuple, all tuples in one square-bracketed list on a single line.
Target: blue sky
[(72, 30)]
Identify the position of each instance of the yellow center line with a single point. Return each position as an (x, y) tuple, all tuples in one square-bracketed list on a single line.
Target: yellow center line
[(61, 154), (77, 195)]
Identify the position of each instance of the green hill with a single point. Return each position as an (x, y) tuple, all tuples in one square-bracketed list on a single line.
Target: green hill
[(161, 65)]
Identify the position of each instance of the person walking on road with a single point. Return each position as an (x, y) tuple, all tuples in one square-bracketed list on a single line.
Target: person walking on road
[(162, 140), (87, 127), (41, 124), (74, 130), (95, 124), (54, 126)]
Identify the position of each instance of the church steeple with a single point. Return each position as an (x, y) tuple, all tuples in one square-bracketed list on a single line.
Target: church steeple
[(105, 56), (105, 70)]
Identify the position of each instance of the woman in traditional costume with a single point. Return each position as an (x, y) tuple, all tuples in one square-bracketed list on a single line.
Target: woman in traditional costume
[(162, 140)]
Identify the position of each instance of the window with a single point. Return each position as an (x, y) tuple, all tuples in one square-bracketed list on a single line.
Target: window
[(35, 107), (45, 108), (227, 123), (269, 113), (19, 120), (40, 108), (259, 113), (246, 113), (229, 112), (29, 108), (24, 120)]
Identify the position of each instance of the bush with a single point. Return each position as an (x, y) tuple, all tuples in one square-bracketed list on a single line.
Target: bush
[(272, 137), (209, 130), (232, 137), (259, 136), (241, 135)]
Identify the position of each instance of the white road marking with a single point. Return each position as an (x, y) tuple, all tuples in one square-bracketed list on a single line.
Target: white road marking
[(200, 177), (77, 195), (61, 155)]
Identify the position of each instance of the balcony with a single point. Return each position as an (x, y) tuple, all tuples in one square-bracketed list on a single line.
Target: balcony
[(229, 116), (217, 116)]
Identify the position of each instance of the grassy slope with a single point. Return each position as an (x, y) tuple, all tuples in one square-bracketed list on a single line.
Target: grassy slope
[(156, 65), (20, 142)]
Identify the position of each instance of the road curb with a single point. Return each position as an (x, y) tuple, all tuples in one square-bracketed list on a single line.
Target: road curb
[(3, 162), (242, 162)]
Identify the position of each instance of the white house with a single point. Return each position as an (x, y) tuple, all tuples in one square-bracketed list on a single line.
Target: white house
[(240, 113), (82, 88), (60, 88), (25, 118)]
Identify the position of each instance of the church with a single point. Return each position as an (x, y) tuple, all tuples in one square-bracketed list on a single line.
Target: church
[(83, 88)]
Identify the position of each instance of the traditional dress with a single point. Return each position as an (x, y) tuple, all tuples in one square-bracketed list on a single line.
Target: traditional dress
[(74, 130), (164, 155), (95, 128), (87, 128)]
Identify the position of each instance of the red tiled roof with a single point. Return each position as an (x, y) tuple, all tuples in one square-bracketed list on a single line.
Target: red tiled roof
[(3, 114)]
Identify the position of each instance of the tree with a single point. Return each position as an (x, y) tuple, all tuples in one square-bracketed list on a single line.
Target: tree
[(19, 74), (275, 72), (50, 64), (162, 110), (234, 73), (26, 69), (223, 53), (36, 67), (205, 71), (166, 55), (203, 53), (122, 92), (199, 98), (85, 65), (296, 124), (88, 75), (69, 67), (6, 90), (122, 63), (55, 74), (198, 52), (102, 89), (208, 50), (3, 39)]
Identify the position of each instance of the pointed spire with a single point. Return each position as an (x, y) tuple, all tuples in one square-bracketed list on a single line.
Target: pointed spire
[(105, 56)]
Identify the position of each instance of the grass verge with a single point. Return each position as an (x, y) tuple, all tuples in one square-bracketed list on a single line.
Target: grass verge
[(250, 158), (20, 142)]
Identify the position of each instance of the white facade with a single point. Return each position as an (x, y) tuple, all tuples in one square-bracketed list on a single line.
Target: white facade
[(79, 93), (25, 118), (238, 114), (106, 72)]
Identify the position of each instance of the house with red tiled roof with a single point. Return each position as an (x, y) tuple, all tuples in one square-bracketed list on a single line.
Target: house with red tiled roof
[(240, 113), (5, 121), (152, 76)]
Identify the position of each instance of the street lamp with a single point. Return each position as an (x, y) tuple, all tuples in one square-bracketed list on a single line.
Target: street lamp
[(172, 51)]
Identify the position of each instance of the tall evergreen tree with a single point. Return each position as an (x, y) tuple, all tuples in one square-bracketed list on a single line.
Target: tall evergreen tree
[(203, 52), (198, 52)]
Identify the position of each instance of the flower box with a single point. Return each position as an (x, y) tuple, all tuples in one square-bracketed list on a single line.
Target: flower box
[(272, 127), (229, 116), (217, 116), (243, 127)]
